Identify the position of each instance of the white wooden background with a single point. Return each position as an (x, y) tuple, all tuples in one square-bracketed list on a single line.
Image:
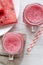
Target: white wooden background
[(36, 55)]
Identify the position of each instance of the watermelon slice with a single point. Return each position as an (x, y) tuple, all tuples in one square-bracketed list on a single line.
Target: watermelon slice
[(12, 43), (7, 12)]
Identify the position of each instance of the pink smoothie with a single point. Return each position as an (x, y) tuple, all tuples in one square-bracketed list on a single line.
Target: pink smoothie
[(33, 14), (22, 40), (12, 43)]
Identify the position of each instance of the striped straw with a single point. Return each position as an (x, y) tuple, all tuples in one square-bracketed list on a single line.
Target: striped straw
[(35, 39)]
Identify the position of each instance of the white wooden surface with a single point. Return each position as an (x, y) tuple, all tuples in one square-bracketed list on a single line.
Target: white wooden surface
[(35, 57)]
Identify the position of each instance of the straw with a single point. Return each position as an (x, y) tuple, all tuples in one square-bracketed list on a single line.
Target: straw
[(38, 34)]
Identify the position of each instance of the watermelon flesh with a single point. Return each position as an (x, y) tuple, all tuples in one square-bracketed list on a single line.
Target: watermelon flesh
[(1, 10), (12, 43), (7, 12)]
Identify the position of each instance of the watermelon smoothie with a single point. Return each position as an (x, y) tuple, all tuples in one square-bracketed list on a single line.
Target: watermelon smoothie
[(13, 43), (33, 14)]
